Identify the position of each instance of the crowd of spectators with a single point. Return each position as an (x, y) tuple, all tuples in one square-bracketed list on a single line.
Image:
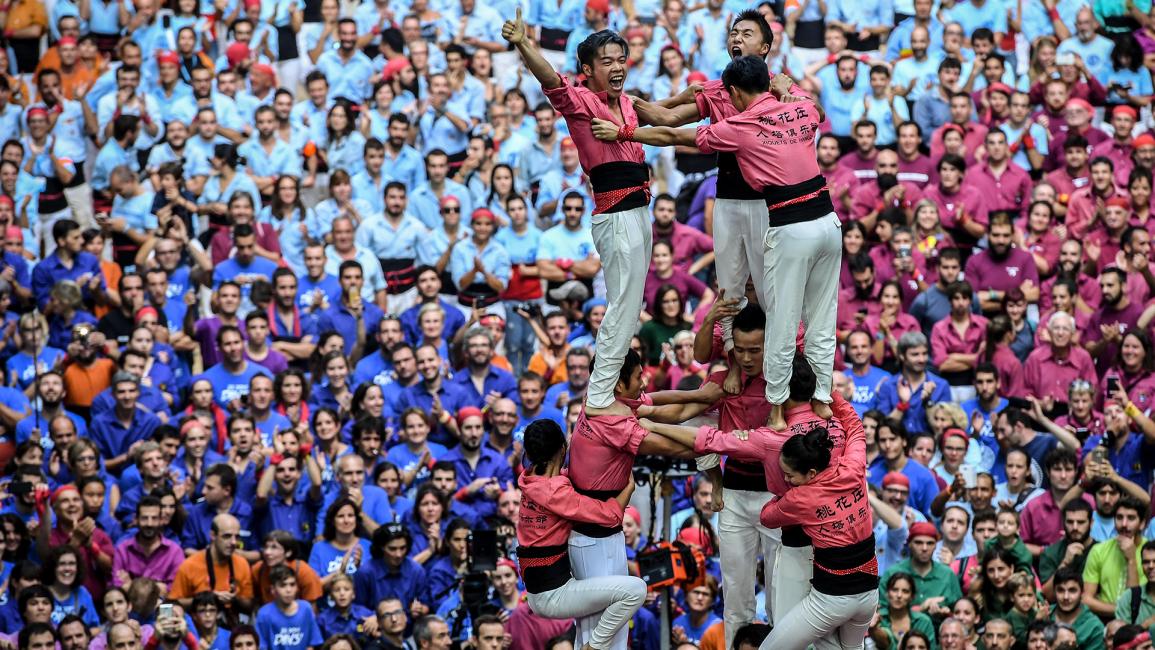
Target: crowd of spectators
[(283, 282)]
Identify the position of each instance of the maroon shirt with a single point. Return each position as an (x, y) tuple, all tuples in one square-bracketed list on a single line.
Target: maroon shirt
[(868, 198), (1010, 190), (984, 272), (1057, 156), (1010, 371), (841, 181), (862, 168), (969, 198), (1065, 184), (849, 305), (1044, 375), (1127, 318), (919, 171)]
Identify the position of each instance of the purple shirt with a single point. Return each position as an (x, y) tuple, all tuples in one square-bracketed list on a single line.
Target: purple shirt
[(686, 284), (274, 361), (862, 168), (1127, 319), (984, 272), (160, 566), (206, 334)]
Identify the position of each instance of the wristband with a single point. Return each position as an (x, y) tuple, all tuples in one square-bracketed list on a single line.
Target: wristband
[(1053, 13), (1028, 141), (306, 449), (626, 132), (831, 58), (276, 459), (58, 109), (1132, 411), (903, 407), (95, 548), (864, 58)]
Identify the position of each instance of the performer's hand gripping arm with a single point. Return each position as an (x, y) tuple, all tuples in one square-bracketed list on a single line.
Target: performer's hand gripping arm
[(660, 136), (516, 33)]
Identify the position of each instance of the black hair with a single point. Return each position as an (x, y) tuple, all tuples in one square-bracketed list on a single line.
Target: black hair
[(802, 380), (589, 48), (24, 638), (808, 451), (388, 533), (1126, 45), (329, 531), (752, 15), (954, 160), (1126, 634), (543, 440), (632, 361), (61, 228), (1068, 574), (750, 319), (753, 634), (1131, 503), (1075, 141), (747, 73)]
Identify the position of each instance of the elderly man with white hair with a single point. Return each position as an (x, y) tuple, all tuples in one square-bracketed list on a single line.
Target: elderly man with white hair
[(1051, 368)]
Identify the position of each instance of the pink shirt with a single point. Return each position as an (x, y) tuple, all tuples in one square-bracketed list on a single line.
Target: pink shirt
[(688, 243), (1010, 371), (984, 272), (973, 136), (764, 445), (1140, 387), (918, 171), (1045, 376), (832, 508), (602, 451), (1046, 246), (1010, 190), (945, 339), (528, 631), (902, 324), (861, 167), (1088, 290), (1081, 209), (1065, 184), (1041, 520), (746, 410), (1120, 155), (968, 198), (773, 141), (849, 305), (714, 101), (549, 506), (579, 105), (868, 198)]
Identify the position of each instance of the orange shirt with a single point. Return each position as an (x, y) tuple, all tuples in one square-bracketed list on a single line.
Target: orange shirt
[(192, 577), (308, 583), (557, 375), (25, 13), (83, 384), (112, 272)]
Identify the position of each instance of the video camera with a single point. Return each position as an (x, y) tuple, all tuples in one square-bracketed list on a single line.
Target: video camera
[(646, 466)]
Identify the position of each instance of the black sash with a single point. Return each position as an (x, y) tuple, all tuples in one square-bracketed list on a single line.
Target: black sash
[(544, 568), (287, 43), (553, 39), (594, 530), (731, 185), (816, 207), (400, 274)]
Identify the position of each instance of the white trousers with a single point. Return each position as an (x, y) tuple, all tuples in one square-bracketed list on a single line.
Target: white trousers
[(829, 622), (623, 240), (598, 557), (803, 262), (80, 200), (611, 600), (739, 234), (740, 536), (793, 571), (399, 303)]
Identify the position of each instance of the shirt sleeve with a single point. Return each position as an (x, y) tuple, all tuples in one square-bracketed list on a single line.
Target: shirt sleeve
[(565, 98), (722, 136)]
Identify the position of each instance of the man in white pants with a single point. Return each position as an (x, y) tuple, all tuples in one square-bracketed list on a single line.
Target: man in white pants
[(620, 179), (739, 210)]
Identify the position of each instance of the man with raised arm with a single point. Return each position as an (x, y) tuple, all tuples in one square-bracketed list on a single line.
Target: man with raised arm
[(774, 143), (620, 179), (739, 210)]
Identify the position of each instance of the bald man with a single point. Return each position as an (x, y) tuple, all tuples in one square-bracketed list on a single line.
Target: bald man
[(219, 568)]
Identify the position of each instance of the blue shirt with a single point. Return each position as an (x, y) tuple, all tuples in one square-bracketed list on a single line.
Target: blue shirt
[(1134, 461), (1096, 54), (387, 242), (111, 155), (340, 319), (426, 206), (51, 270), (349, 79), (297, 517), (325, 558), (454, 320), (376, 582), (329, 286), (407, 167), (992, 15), (496, 380), (694, 633), (865, 387), (453, 398), (333, 622), (915, 417), (923, 487), (439, 132), (136, 211), (406, 460), (260, 268), (200, 520), (490, 464), (227, 386), (899, 38), (281, 631), (374, 503), (282, 160), (493, 258), (114, 439)]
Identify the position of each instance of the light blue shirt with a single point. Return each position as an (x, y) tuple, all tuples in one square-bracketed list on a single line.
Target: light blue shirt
[(350, 78), (494, 258), (1096, 54), (370, 190), (426, 206), (712, 56), (388, 242), (136, 211), (439, 132), (283, 160), (110, 156), (407, 167), (880, 112), (899, 38), (992, 15), (108, 106), (289, 235), (346, 153)]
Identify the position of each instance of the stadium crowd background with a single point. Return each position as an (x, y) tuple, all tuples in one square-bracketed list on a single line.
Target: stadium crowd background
[(283, 282)]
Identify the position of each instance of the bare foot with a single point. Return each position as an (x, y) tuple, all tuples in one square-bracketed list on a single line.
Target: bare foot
[(777, 420), (733, 382), (821, 409)]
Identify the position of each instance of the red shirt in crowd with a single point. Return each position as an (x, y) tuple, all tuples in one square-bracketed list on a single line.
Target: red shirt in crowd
[(1045, 375)]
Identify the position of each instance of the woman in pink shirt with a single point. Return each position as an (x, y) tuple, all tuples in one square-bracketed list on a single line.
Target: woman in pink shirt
[(888, 326), (1062, 299), (1139, 186), (853, 242), (665, 273), (998, 353), (1040, 238), (549, 508), (828, 499), (1134, 369)]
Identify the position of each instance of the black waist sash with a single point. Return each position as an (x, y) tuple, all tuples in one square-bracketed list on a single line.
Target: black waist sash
[(595, 530), (798, 203), (846, 570), (610, 177), (544, 568), (731, 185)]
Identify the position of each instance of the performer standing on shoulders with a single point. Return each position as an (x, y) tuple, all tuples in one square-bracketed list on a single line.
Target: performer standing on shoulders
[(549, 508), (774, 143), (620, 179)]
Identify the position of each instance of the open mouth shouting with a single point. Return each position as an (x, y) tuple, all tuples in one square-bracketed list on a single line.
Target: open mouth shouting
[(735, 52), (617, 81)]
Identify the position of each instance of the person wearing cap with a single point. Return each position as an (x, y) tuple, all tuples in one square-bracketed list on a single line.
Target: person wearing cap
[(890, 519), (1120, 148), (881, 106), (479, 266), (93, 545), (936, 587), (170, 88), (482, 473), (1079, 113)]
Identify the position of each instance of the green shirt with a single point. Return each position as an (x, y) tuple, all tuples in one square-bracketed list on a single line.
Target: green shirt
[(1053, 555), (919, 622), (1024, 561), (1088, 629), (939, 581), (1146, 607), (1107, 568)]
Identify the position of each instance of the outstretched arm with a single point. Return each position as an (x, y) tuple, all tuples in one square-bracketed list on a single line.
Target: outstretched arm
[(515, 32), (659, 136), (658, 115), (678, 433)]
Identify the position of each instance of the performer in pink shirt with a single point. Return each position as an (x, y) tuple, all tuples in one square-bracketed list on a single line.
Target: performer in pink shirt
[(621, 219), (739, 209), (774, 143), (550, 506)]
